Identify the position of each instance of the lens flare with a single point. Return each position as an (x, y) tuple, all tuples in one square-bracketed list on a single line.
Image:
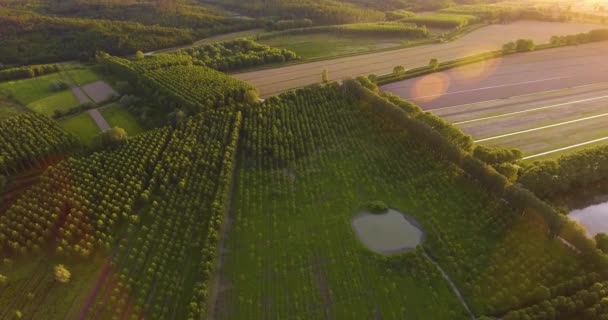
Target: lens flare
[(430, 87)]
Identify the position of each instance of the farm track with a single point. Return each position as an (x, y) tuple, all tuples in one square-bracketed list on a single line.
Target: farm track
[(274, 81), (452, 284)]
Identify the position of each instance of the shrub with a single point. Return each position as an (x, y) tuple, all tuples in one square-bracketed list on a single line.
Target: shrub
[(524, 45), (434, 64), (398, 70), (377, 207), (62, 274), (58, 85)]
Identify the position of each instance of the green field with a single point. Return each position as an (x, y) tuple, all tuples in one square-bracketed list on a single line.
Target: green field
[(117, 116), (36, 95), (33, 291), (325, 45), (81, 126), (8, 108)]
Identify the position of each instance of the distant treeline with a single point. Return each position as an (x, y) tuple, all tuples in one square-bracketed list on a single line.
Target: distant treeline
[(27, 71), (321, 12), (395, 29), (32, 38), (238, 54)]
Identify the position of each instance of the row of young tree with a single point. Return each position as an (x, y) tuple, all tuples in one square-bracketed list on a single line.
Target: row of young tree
[(238, 54), (30, 140), (180, 82), (30, 71), (155, 202)]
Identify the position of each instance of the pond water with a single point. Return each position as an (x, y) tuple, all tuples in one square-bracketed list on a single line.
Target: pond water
[(387, 233), (594, 218)]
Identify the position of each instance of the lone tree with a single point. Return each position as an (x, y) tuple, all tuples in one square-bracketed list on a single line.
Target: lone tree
[(62, 274), (325, 75), (523, 45), (398, 70), (508, 47), (252, 97), (434, 64), (116, 135), (139, 55)]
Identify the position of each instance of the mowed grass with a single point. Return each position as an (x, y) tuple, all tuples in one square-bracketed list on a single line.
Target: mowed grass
[(36, 94), (117, 116), (32, 289), (325, 45), (81, 126)]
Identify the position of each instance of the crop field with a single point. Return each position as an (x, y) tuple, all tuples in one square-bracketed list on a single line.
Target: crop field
[(273, 81), (117, 116), (81, 126), (326, 45), (313, 170), (36, 93)]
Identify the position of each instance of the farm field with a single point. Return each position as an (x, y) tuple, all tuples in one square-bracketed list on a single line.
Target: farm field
[(81, 126), (36, 94), (117, 116), (557, 102), (273, 81), (313, 46)]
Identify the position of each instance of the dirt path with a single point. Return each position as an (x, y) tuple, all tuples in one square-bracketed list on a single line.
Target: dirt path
[(219, 283), (99, 119), (452, 284)]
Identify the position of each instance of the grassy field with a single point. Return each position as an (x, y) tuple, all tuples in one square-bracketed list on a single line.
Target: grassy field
[(82, 126), (8, 108), (33, 291), (117, 116), (325, 45), (36, 95)]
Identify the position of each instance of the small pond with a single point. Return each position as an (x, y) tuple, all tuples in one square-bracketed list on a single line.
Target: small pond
[(594, 218), (389, 232)]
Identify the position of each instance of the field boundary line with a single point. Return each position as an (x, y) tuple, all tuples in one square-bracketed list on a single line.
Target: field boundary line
[(519, 96), (565, 148), (543, 127), (533, 109), (490, 87)]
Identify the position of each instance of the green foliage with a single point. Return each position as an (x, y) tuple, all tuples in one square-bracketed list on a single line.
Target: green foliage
[(377, 206), (509, 47), (399, 70), (399, 14), (30, 37), (550, 179), (238, 54), (434, 64), (139, 55), (387, 29), (441, 20), (62, 274), (58, 85), (289, 24), (524, 45), (601, 241), (495, 155), (325, 76), (179, 81), (27, 71), (30, 140), (324, 12)]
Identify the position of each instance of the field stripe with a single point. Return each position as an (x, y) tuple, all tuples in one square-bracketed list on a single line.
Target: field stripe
[(565, 148), (544, 127), (533, 109), (490, 87)]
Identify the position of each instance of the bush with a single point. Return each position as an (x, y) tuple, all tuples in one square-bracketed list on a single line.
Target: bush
[(434, 64), (524, 45), (493, 155), (377, 207), (58, 85), (62, 274), (398, 70)]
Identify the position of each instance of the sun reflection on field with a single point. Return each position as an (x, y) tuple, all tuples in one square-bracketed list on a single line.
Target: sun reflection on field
[(430, 87), (477, 72)]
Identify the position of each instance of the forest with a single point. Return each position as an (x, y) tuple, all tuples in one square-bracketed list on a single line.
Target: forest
[(238, 54)]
